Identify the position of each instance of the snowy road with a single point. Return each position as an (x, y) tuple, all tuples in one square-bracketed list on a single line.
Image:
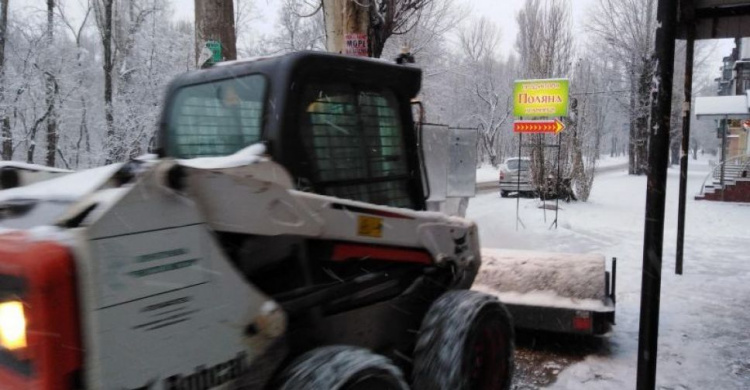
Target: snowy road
[(705, 327)]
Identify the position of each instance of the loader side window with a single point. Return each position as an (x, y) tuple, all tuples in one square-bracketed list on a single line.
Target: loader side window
[(217, 118), (355, 139)]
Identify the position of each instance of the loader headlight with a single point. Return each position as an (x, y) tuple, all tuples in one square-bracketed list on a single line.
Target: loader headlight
[(12, 325)]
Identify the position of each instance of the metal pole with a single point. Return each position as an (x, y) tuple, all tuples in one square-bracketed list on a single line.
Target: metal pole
[(724, 129), (685, 141), (661, 96), (557, 183), (518, 188)]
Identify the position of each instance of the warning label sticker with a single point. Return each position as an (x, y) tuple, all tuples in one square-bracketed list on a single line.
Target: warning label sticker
[(355, 45), (369, 226)]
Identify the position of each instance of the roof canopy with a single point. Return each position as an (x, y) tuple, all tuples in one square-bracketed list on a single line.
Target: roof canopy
[(717, 18), (720, 107)]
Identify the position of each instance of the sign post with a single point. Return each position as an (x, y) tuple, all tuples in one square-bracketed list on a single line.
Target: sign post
[(547, 98)]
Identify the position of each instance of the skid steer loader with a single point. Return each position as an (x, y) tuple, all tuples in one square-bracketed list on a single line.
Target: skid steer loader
[(278, 240)]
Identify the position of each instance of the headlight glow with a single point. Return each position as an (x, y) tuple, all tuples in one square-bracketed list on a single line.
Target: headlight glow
[(12, 326)]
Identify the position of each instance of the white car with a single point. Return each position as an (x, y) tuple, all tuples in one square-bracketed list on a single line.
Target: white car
[(509, 177)]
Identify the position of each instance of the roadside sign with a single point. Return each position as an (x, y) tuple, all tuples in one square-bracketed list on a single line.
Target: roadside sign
[(535, 98), (552, 126), (215, 47)]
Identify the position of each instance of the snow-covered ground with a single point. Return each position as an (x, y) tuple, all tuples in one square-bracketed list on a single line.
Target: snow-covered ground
[(704, 340), (605, 161)]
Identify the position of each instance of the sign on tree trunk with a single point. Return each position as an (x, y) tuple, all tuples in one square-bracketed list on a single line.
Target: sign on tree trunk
[(355, 45)]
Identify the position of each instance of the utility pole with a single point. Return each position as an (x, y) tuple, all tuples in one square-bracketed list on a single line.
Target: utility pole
[(347, 26), (661, 96), (214, 28)]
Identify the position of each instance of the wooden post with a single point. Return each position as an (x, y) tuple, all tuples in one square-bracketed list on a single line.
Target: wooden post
[(214, 21)]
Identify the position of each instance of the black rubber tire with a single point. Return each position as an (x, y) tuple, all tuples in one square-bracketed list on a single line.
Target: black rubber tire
[(341, 368), (503, 194), (466, 342)]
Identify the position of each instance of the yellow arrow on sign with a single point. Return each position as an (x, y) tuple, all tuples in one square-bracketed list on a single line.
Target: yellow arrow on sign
[(559, 126)]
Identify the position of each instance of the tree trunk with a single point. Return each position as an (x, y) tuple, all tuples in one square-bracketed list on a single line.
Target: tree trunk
[(641, 125), (632, 133), (214, 21), (108, 66), (348, 28), (674, 153), (695, 149), (50, 91), (7, 136)]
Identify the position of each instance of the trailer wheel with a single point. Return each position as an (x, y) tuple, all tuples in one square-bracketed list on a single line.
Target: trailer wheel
[(465, 343), (341, 368), (503, 194)]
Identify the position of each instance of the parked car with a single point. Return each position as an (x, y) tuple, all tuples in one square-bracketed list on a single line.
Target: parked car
[(509, 177)]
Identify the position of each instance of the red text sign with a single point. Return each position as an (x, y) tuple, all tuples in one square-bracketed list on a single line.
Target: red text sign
[(355, 45)]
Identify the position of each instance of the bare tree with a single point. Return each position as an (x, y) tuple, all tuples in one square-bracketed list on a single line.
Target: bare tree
[(51, 89), (592, 112), (83, 141), (487, 84), (103, 10), (7, 136), (301, 27), (479, 40), (626, 28)]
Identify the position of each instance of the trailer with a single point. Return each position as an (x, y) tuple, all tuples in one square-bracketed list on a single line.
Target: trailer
[(555, 292)]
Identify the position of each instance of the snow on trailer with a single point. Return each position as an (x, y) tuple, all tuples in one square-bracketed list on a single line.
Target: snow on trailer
[(560, 292)]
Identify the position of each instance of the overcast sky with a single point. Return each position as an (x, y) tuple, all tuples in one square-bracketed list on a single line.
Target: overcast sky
[(501, 12)]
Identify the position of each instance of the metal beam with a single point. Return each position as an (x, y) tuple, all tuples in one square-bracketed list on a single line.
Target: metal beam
[(666, 15), (688, 18), (717, 19)]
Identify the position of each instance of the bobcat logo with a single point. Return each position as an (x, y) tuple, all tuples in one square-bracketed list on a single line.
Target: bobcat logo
[(460, 244)]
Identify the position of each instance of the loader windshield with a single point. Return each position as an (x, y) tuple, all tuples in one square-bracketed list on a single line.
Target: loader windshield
[(217, 118), (355, 138)]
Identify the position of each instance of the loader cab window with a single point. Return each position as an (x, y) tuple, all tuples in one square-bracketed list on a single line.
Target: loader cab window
[(354, 138), (216, 118)]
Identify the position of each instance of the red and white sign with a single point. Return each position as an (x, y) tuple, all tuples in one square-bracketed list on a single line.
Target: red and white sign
[(553, 126), (355, 45)]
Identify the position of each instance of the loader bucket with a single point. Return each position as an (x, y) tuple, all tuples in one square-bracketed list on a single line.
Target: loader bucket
[(557, 292)]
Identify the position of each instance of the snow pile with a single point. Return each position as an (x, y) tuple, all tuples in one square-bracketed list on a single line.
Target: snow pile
[(545, 275), (249, 155), (67, 188), (607, 161)]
